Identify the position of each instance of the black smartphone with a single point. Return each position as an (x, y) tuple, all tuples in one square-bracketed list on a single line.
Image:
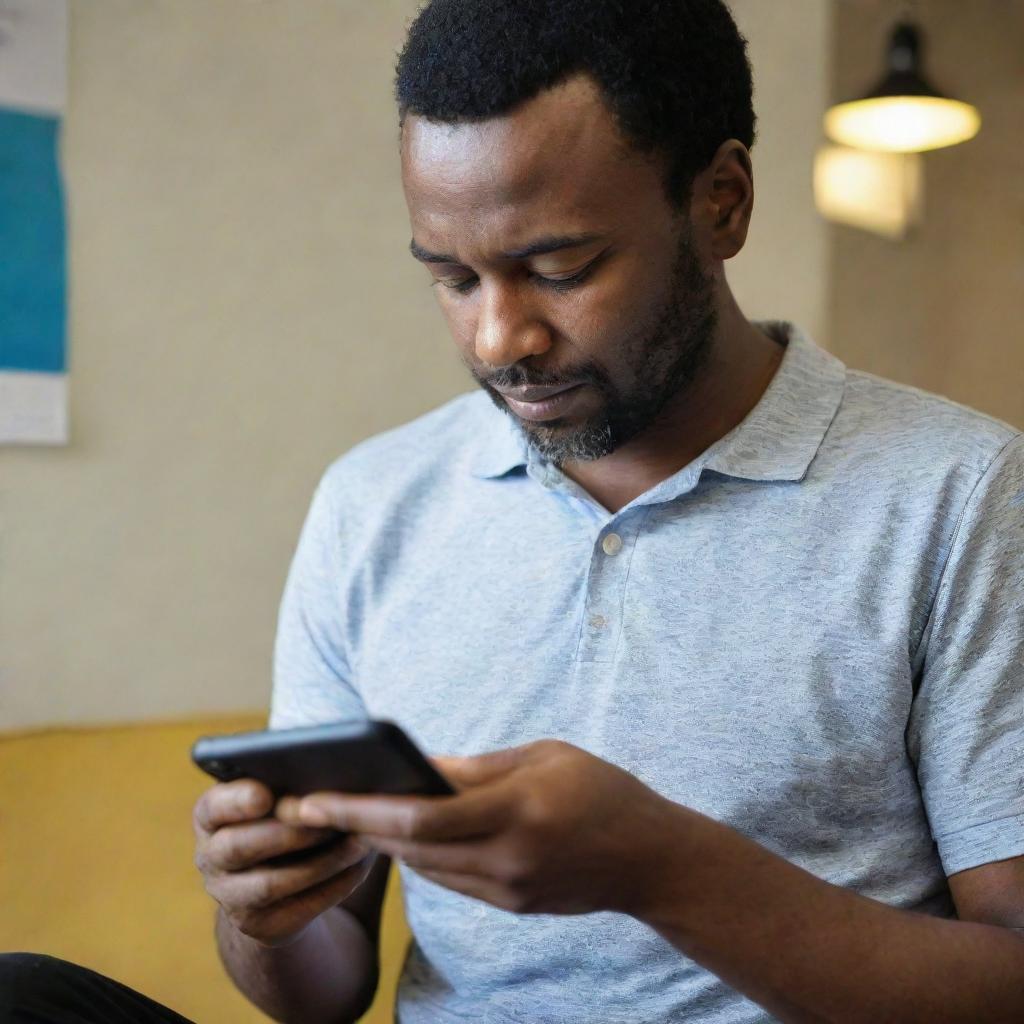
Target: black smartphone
[(348, 757)]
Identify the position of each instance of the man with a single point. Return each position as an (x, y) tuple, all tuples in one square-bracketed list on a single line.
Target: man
[(741, 629)]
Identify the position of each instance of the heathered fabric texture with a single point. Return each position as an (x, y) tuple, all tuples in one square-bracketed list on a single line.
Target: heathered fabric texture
[(814, 633)]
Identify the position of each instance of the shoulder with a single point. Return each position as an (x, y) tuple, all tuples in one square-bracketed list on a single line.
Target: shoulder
[(913, 431), (417, 456)]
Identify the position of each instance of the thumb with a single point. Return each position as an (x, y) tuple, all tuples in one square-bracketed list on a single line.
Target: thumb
[(476, 771)]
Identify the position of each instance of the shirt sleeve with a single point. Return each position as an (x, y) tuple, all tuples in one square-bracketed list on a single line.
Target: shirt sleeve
[(966, 729), (312, 675)]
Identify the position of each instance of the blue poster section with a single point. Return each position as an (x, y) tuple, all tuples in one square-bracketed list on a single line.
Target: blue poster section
[(32, 249)]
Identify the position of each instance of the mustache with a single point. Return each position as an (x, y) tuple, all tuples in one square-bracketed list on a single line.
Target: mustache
[(524, 377)]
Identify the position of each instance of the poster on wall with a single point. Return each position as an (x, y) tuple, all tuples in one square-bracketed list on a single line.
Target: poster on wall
[(33, 309)]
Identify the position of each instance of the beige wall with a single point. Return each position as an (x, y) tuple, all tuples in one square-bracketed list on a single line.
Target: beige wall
[(242, 311), (783, 272), (943, 310)]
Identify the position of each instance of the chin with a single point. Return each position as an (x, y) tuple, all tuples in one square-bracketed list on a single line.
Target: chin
[(563, 441)]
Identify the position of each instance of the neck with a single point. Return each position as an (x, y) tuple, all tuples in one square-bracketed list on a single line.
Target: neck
[(742, 364)]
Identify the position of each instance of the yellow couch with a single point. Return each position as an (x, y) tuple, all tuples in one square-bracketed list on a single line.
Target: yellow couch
[(96, 865)]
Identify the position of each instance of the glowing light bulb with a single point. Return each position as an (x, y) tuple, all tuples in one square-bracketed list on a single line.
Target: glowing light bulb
[(902, 124)]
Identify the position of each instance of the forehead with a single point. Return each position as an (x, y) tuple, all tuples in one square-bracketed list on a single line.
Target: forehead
[(557, 161)]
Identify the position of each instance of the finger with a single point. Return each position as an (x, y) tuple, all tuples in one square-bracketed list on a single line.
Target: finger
[(262, 887), (484, 768), (305, 906), (230, 802), (292, 811), (287, 810), (236, 847), (474, 858), (472, 813)]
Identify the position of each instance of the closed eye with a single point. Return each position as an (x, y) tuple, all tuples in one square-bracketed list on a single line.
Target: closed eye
[(461, 287), (564, 284), (558, 284)]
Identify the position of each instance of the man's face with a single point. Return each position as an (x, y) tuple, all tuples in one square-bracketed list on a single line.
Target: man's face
[(575, 292)]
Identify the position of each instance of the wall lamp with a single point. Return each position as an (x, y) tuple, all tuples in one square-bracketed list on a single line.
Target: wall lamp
[(904, 113)]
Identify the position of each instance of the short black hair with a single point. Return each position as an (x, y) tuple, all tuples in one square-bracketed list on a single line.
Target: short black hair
[(674, 73)]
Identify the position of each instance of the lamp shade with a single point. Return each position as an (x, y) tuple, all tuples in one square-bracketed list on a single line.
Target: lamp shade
[(904, 113)]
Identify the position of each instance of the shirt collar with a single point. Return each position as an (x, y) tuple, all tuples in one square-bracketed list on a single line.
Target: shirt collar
[(776, 441), (502, 447), (780, 436)]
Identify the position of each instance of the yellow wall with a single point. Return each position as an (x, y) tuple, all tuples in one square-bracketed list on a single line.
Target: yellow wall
[(96, 865)]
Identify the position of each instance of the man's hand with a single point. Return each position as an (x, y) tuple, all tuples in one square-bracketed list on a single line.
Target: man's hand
[(544, 828), (266, 875)]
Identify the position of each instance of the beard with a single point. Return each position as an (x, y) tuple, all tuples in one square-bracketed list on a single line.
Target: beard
[(663, 355)]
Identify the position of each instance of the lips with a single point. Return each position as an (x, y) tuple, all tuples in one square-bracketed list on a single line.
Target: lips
[(539, 405), (534, 394)]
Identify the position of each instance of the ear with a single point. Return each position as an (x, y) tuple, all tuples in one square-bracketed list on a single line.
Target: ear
[(723, 197)]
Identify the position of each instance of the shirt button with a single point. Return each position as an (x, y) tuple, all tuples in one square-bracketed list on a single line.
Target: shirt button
[(612, 544), (598, 621)]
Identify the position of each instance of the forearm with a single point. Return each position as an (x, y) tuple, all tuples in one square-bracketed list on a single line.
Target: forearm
[(326, 976), (815, 953)]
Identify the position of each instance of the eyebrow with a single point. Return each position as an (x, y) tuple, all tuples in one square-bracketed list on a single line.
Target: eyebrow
[(540, 247)]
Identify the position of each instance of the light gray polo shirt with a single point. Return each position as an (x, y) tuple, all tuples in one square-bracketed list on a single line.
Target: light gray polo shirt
[(814, 633)]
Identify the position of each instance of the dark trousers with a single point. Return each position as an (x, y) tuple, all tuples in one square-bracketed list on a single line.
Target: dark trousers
[(38, 989)]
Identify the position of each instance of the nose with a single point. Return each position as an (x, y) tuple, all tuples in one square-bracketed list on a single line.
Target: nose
[(508, 329)]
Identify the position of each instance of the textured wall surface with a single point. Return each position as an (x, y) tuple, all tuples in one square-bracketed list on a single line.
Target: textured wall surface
[(783, 272), (242, 311)]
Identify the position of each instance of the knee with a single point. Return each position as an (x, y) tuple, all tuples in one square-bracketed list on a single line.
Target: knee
[(29, 982)]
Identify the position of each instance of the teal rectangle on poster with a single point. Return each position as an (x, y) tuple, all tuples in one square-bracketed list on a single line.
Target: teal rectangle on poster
[(33, 314)]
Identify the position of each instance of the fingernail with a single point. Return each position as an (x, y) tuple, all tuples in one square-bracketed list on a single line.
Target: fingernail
[(313, 814)]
